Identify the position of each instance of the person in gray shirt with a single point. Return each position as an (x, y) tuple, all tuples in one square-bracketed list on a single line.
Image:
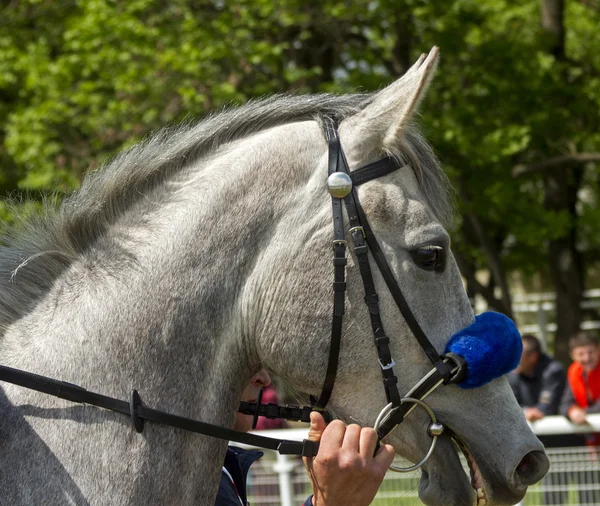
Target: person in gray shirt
[(538, 382)]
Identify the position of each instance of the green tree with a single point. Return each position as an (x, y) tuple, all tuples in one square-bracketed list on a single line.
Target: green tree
[(513, 112)]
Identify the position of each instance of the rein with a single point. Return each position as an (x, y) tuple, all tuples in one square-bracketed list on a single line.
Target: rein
[(448, 368), (139, 412)]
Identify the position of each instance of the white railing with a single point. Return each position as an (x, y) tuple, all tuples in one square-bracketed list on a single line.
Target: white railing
[(282, 480), (534, 313)]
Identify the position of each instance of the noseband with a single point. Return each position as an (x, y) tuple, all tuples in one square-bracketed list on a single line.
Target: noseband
[(448, 368)]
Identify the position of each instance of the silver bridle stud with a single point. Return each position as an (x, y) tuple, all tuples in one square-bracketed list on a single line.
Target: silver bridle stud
[(435, 429), (339, 184)]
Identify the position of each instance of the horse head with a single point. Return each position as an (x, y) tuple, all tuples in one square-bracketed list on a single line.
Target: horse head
[(409, 210), (196, 258)]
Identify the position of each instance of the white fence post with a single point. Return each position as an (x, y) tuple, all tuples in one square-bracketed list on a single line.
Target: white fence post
[(284, 467), (542, 321)]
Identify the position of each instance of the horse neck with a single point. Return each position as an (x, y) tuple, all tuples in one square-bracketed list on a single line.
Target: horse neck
[(156, 304)]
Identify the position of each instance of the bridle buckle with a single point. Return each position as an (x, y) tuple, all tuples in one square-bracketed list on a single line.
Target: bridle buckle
[(358, 229), (386, 366)]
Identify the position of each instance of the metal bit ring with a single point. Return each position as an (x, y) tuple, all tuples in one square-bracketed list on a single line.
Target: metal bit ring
[(434, 434)]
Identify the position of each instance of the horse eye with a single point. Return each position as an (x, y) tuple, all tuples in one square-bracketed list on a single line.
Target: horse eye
[(430, 258)]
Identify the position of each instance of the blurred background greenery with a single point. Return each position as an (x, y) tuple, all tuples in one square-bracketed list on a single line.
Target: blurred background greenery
[(513, 113)]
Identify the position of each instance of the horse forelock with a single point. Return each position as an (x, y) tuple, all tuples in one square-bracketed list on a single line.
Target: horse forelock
[(43, 247)]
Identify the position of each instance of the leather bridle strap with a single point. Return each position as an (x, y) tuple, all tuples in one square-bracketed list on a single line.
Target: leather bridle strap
[(364, 239), (433, 379), (358, 218), (339, 280), (374, 170), (390, 281), (275, 411), (139, 412), (361, 250)]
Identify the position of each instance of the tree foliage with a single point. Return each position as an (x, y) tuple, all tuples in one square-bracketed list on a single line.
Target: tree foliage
[(513, 112)]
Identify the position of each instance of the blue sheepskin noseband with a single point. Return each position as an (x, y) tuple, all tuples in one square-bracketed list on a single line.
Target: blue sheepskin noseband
[(491, 346)]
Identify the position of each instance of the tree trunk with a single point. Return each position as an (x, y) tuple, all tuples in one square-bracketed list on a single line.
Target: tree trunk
[(553, 24), (561, 186), (566, 263), (402, 51)]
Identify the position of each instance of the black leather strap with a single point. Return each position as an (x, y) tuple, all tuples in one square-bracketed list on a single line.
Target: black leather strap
[(396, 416), (374, 170), (256, 414), (397, 295), (458, 368), (361, 250), (138, 411), (339, 266), (275, 411)]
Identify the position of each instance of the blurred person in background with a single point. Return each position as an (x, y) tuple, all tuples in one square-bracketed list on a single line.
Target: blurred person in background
[(583, 395), (538, 382)]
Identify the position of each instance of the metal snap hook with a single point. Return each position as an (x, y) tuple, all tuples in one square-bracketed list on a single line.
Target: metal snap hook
[(435, 430)]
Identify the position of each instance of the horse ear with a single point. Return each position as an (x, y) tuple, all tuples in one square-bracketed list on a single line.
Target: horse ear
[(391, 109)]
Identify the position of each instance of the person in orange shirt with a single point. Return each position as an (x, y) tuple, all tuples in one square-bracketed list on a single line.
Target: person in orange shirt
[(583, 395), (581, 398)]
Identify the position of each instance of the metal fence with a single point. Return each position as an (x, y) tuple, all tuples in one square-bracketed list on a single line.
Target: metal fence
[(574, 476)]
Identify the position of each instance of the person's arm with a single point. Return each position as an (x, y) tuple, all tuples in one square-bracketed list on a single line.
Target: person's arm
[(570, 408), (553, 386), (345, 472)]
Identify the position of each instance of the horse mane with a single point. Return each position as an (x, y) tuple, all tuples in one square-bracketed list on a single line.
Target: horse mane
[(37, 251)]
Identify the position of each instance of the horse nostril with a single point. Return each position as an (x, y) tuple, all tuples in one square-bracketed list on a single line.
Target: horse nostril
[(532, 468)]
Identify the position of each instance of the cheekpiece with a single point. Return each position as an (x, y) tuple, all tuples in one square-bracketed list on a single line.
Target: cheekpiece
[(339, 184)]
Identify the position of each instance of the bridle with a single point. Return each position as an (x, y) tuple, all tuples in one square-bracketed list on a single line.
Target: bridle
[(448, 368)]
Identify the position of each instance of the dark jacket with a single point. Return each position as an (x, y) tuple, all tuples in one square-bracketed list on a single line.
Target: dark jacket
[(237, 463), (543, 389)]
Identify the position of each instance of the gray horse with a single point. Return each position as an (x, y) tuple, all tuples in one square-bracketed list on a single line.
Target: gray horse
[(200, 256)]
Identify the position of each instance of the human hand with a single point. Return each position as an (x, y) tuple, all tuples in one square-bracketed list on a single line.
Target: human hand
[(577, 415), (533, 414), (345, 470)]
